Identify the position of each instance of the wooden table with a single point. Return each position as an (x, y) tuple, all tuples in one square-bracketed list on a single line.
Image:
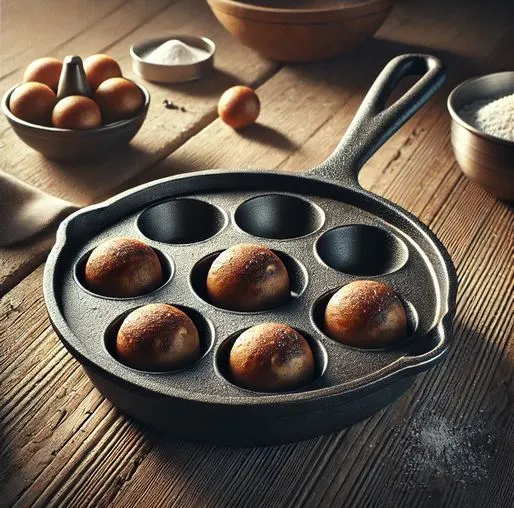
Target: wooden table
[(447, 442)]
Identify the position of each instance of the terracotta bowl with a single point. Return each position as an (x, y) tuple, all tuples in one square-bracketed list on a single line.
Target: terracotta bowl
[(301, 30), (72, 144), (485, 159)]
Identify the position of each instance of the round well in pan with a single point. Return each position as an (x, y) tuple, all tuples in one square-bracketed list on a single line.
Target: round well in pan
[(298, 278), (221, 359), (318, 318), (360, 249), (205, 332), (167, 265), (279, 216), (180, 221)]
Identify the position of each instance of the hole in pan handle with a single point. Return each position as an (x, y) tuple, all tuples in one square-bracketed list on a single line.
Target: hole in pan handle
[(373, 125)]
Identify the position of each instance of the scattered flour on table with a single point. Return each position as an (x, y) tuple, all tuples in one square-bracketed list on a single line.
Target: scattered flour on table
[(494, 117), (442, 449), (175, 52)]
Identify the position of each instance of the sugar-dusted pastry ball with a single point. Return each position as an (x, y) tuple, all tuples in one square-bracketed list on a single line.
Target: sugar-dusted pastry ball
[(157, 336), (248, 277), (271, 357), (367, 314), (123, 267)]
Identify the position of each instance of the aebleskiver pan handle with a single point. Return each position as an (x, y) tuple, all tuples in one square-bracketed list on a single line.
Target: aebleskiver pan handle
[(374, 124)]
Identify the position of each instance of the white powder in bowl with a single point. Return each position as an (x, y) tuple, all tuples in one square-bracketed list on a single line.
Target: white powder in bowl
[(494, 117), (175, 52)]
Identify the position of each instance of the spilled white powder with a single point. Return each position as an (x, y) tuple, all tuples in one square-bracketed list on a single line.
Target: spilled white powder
[(494, 117), (175, 52), (439, 452)]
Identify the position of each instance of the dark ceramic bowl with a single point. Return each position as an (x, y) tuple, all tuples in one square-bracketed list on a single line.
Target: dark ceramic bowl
[(67, 144)]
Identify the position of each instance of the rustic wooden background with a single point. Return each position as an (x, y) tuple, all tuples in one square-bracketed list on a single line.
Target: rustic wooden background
[(448, 442)]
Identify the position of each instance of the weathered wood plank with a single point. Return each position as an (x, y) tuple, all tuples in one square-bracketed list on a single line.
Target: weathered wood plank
[(51, 24)]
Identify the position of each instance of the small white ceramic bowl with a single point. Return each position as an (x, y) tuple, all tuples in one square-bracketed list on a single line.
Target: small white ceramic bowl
[(179, 73)]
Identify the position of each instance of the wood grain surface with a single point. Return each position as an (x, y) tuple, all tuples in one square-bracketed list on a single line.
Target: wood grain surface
[(448, 442)]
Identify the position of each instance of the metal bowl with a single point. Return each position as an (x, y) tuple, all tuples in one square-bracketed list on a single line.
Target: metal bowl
[(67, 144), (485, 159)]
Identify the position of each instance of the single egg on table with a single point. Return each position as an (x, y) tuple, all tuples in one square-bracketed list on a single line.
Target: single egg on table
[(271, 357), (123, 267), (248, 277), (44, 70), (239, 106), (367, 314), (157, 336), (76, 112), (99, 68), (33, 102), (118, 99)]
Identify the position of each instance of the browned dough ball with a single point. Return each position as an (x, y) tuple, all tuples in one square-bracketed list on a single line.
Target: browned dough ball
[(123, 267), (157, 336), (118, 99), (99, 68), (33, 102), (44, 70), (239, 106), (248, 277), (367, 314), (271, 357), (76, 112)]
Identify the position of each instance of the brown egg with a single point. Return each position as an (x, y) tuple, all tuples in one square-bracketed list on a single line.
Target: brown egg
[(239, 106), (33, 102), (123, 267), (76, 112), (118, 99), (157, 337), (99, 68), (271, 357), (44, 70), (367, 314), (248, 277)]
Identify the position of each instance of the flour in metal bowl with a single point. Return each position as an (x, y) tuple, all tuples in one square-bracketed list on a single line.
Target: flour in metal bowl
[(494, 117)]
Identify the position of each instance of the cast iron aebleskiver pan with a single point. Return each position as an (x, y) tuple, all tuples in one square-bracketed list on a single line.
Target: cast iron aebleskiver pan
[(327, 229)]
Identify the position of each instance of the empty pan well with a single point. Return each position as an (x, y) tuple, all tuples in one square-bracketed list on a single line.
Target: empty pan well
[(279, 216), (181, 221), (362, 250)]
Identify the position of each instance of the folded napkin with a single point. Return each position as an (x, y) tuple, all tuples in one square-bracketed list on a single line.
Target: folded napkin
[(26, 211)]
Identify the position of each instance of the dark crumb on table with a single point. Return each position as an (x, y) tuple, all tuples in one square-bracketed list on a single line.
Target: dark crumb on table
[(171, 105)]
